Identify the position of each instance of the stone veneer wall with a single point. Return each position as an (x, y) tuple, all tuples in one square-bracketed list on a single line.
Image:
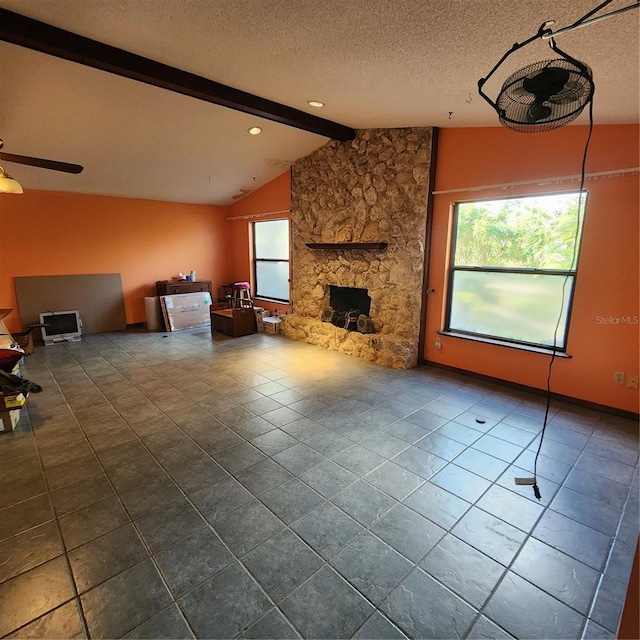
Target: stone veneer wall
[(371, 189)]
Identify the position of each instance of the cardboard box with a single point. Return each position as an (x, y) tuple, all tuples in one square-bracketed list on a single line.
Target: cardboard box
[(6, 341), (271, 325), (259, 311), (186, 310), (12, 400), (9, 420)]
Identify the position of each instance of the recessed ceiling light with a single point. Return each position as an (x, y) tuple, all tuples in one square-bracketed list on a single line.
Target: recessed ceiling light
[(254, 131), (315, 103)]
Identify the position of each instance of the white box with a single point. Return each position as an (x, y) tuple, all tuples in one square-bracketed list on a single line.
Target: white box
[(9, 419), (186, 310), (271, 325)]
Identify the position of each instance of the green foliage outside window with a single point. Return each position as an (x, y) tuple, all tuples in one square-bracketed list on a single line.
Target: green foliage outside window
[(530, 233)]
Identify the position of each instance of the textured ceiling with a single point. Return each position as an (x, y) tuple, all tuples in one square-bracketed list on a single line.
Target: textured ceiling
[(374, 63)]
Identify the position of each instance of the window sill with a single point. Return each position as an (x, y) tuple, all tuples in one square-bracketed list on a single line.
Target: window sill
[(503, 343)]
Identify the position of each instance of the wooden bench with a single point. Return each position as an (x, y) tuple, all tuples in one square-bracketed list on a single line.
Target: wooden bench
[(233, 322)]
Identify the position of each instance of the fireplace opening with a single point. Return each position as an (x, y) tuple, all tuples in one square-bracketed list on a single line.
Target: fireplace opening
[(349, 299), (349, 309)]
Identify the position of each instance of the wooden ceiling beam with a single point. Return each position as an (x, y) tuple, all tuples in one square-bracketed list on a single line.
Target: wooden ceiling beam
[(40, 36)]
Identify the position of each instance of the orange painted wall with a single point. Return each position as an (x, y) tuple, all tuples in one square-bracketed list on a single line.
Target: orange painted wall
[(55, 233), (607, 283), (273, 198)]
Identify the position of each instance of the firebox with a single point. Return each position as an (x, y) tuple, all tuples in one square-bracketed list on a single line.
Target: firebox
[(349, 299)]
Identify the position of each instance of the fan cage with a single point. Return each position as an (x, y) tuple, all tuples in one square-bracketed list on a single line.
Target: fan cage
[(513, 105)]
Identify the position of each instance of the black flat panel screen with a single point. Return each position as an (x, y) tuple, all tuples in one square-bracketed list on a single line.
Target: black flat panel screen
[(58, 324)]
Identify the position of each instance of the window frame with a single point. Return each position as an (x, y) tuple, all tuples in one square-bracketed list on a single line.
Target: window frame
[(256, 260), (568, 275)]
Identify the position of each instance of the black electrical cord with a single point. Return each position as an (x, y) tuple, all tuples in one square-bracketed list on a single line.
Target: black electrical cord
[(581, 205)]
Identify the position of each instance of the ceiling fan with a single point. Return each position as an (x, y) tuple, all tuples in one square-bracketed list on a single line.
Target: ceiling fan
[(42, 163), (243, 193)]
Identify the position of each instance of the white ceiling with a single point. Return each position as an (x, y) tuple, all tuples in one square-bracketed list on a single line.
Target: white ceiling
[(375, 63)]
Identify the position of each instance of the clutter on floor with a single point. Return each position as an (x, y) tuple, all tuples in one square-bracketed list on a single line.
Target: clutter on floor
[(14, 390)]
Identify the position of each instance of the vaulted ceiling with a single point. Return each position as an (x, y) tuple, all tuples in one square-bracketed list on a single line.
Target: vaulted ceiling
[(374, 63)]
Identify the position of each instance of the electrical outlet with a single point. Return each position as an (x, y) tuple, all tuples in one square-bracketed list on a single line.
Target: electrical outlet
[(632, 382), (618, 377)]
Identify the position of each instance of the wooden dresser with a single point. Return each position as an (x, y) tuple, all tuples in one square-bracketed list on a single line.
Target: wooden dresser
[(173, 287)]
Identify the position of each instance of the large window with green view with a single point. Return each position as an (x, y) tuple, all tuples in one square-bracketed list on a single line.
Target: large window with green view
[(513, 268), (271, 259)]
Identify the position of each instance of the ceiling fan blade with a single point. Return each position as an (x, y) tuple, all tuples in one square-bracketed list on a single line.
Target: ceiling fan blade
[(54, 165), (243, 193)]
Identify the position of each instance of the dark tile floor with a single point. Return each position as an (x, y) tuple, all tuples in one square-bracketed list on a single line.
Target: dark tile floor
[(174, 486)]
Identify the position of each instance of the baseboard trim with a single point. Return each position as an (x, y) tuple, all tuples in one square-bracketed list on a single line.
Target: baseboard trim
[(534, 390)]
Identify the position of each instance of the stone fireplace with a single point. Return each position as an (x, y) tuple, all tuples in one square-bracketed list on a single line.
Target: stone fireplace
[(358, 220)]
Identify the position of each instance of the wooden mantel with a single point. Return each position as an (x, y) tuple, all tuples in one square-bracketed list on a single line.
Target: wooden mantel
[(367, 246)]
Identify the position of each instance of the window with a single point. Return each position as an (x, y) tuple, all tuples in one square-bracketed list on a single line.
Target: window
[(513, 268), (271, 259)]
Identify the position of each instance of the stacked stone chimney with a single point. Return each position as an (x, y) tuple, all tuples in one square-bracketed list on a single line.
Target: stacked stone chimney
[(371, 189)]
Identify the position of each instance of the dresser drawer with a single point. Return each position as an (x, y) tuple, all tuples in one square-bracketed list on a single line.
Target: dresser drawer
[(169, 288)]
